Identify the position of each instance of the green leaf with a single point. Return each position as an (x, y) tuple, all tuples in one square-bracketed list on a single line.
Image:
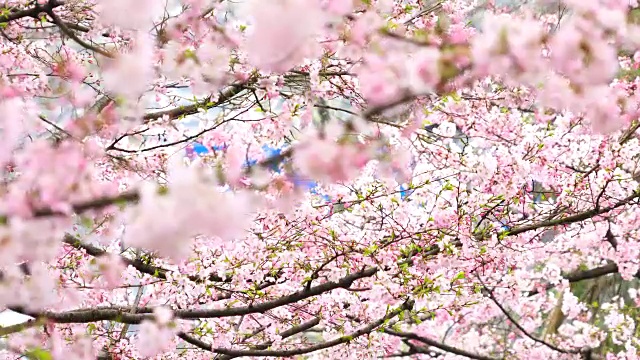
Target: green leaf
[(86, 222), (459, 276), (39, 354), (347, 338), (91, 327), (190, 54), (370, 250), (163, 190)]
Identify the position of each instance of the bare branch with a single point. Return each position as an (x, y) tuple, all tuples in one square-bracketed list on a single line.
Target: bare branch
[(65, 30)]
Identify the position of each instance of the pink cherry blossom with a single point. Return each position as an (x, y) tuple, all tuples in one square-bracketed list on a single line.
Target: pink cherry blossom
[(132, 73), (280, 32), (319, 179), (340, 7), (111, 267), (136, 15), (198, 207), (154, 339)]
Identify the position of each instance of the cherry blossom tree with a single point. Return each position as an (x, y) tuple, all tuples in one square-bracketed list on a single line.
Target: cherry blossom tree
[(320, 179)]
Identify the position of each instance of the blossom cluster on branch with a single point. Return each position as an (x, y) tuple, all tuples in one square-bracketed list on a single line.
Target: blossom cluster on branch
[(320, 179)]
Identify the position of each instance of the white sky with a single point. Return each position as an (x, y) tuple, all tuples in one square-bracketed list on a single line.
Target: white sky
[(8, 318)]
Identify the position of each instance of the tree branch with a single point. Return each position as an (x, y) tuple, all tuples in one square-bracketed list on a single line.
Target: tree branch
[(285, 334), (435, 344), (407, 305), (574, 218), (65, 30), (579, 275), (173, 143), (33, 12), (7, 330), (205, 104), (121, 314), (95, 204), (490, 295), (144, 268)]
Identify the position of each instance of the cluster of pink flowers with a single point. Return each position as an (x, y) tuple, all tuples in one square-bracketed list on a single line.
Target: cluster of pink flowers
[(363, 179)]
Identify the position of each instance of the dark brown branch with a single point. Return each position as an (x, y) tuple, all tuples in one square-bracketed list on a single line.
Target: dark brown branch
[(335, 109), (630, 132), (317, 271), (435, 344), (33, 12), (95, 204), (414, 350), (183, 140), (112, 146), (611, 239), (580, 275), (84, 29), (486, 215), (7, 330), (592, 273), (285, 334), (204, 104), (173, 143), (300, 328), (573, 277), (138, 264), (378, 110), (324, 73), (121, 314), (65, 30), (207, 103), (161, 273), (408, 305), (133, 196), (574, 218), (195, 342), (490, 295)]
